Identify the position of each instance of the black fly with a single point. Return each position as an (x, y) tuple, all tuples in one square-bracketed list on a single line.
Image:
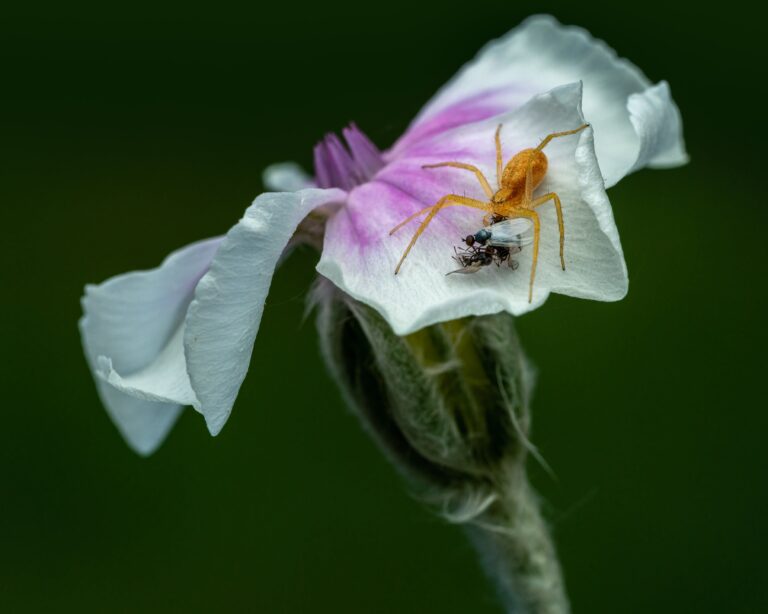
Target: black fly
[(494, 244), (476, 256)]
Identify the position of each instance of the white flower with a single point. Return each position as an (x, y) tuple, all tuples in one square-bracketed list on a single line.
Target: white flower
[(182, 334)]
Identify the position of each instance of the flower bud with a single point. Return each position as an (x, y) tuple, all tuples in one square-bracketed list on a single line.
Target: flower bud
[(448, 405)]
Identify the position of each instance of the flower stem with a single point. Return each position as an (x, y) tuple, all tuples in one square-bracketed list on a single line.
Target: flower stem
[(517, 552)]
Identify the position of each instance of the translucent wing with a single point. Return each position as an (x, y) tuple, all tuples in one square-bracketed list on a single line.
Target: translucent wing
[(470, 268), (516, 232)]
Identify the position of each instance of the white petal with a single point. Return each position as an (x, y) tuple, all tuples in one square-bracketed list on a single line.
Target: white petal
[(634, 124), (130, 333), (165, 380), (143, 424), (285, 177), (359, 256), (224, 317), (657, 121)]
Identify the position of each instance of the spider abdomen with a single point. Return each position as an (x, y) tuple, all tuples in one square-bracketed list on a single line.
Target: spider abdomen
[(513, 176)]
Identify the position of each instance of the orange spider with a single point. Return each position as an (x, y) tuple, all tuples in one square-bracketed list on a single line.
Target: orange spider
[(514, 198)]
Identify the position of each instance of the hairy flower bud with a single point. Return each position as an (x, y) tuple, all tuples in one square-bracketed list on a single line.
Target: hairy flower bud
[(449, 406)]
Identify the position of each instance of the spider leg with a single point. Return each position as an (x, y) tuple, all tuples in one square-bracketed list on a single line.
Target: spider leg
[(451, 200), (411, 217), (499, 158), (534, 217), (556, 135), (559, 208), (467, 167)]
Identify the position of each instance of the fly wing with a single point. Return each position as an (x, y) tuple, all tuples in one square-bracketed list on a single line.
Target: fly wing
[(470, 268), (516, 232)]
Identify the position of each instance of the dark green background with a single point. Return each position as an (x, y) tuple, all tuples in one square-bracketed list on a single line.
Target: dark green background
[(128, 133)]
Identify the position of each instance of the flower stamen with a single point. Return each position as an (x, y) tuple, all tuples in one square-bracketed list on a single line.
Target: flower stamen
[(346, 165)]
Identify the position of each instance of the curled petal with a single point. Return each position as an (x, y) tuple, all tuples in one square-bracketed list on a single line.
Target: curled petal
[(165, 380), (656, 120), (131, 331), (224, 316), (635, 124), (360, 256)]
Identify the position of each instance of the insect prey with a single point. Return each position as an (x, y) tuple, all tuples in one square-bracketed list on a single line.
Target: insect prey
[(495, 244)]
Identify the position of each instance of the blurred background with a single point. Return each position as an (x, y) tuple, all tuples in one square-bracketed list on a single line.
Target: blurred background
[(129, 133)]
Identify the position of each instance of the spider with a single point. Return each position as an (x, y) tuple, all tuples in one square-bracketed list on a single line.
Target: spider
[(514, 198)]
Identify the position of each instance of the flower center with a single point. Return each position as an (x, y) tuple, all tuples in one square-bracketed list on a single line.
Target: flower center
[(340, 166)]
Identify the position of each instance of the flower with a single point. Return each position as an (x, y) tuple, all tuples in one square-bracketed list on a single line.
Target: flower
[(182, 334)]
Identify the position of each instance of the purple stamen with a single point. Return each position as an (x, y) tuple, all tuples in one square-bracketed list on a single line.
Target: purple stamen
[(340, 166)]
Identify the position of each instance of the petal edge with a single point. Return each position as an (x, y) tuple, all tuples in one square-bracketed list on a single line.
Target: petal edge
[(224, 317), (127, 324)]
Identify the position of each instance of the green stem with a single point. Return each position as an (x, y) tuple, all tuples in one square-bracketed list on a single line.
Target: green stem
[(517, 552)]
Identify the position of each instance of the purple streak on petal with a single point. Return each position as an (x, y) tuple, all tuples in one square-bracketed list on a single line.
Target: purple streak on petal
[(403, 187), (337, 165), (476, 108), (376, 207), (473, 145)]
